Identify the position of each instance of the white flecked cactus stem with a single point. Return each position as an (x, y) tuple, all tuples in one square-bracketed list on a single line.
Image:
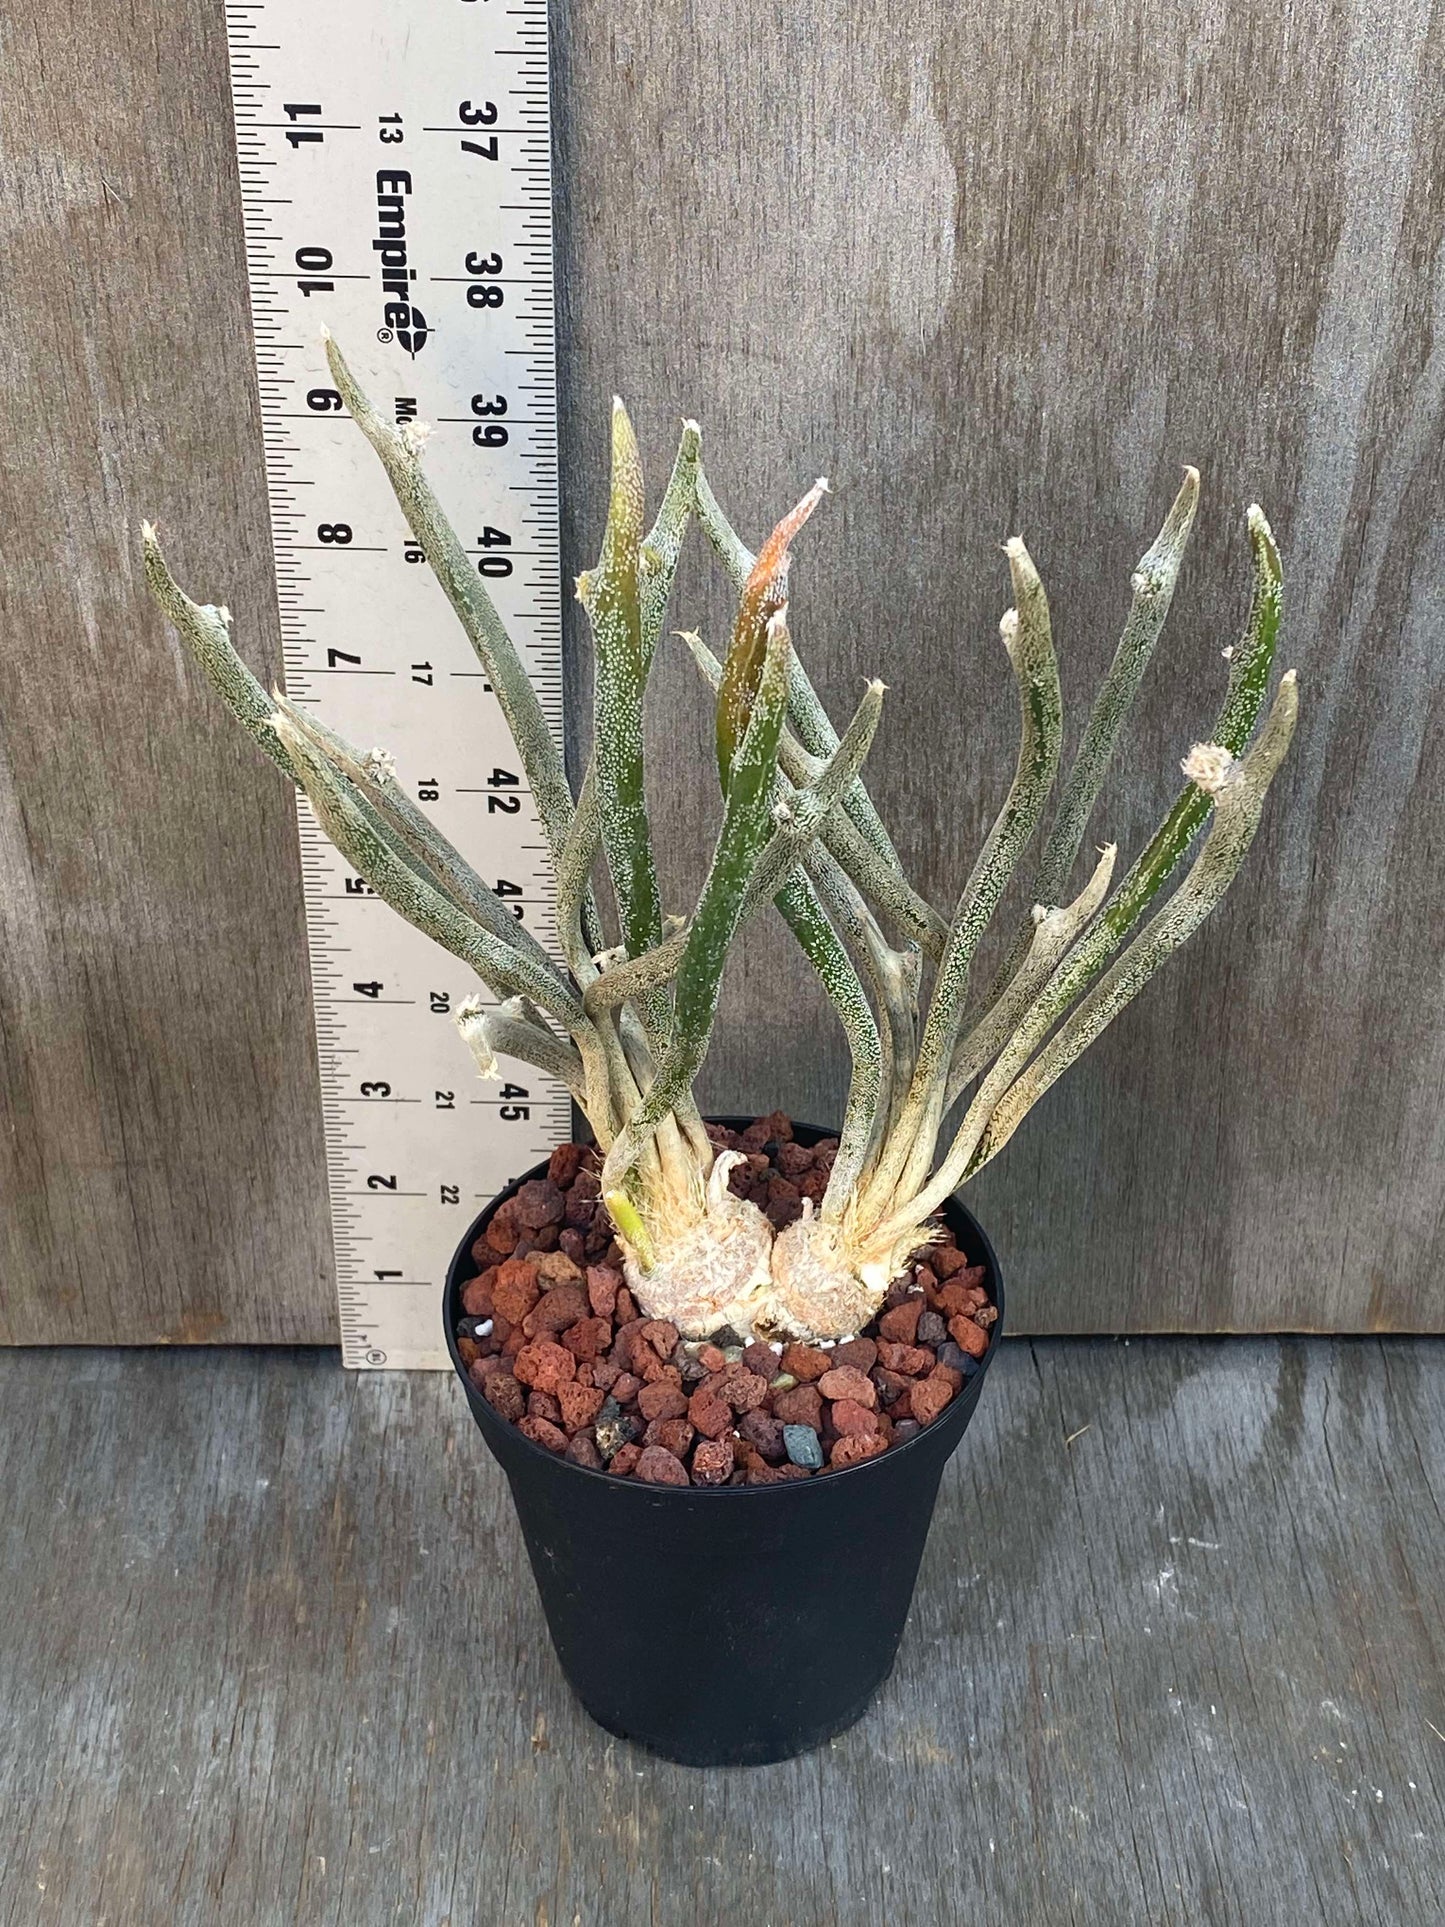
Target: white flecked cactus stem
[(625, 1017)]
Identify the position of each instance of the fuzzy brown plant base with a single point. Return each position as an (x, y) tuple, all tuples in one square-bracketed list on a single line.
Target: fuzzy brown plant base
[(555, 1343)]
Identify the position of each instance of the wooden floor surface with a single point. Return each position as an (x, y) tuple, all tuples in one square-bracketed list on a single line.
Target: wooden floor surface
[(269, 1654)]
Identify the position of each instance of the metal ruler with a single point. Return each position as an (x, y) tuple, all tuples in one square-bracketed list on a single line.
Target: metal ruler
[(396, 177)]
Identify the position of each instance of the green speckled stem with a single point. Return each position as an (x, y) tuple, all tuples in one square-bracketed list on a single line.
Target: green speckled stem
[(611, 596), (1002, 1104), (453, 569), (740, 843), (1028, 638)]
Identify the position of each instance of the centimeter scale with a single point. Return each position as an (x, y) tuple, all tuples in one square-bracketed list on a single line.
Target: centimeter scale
[(396, 181)]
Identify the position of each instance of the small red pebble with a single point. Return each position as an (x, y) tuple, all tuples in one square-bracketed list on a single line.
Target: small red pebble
[(674, 1435), (657, 1466), (468, 1350), (588, 1338), (505, 1396), (803, 1405), (946, 1260), (711, 1359), (625, 1458), (604, 1374), (582, 1450), (764, 1432), (625, 1387), (969, 1337), (776, 1127), (744, 1390), (804, 1362), (860, 1353), (477, 1300), (555, 1310), (712, 1462), (564, 1164), (580, 1405), (603, 1284), (544, 1433), (853, 1449), (776, 1474), (626, 1306), (847, 1382), (483, 1369), (661, 1335), (544, 1366), (929, 1397), (891, 1385), (515, 1289), (852, 1419), (912, 1360), (503, 1229), (662, 1400), (762, 1359), (537, 1203), (543, 1405), (555, 1267), (793, 1159), (709, 1411), (901, 1324), (951, 1299)]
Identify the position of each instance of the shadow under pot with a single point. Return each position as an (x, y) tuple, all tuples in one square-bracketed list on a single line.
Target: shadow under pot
[(726, 1625)]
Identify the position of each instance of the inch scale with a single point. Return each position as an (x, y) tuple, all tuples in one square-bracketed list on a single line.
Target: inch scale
[(396, 182)]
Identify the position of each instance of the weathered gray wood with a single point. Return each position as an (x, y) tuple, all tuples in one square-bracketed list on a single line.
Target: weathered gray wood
[(990, 274), (269, 1653), (161, 1172)]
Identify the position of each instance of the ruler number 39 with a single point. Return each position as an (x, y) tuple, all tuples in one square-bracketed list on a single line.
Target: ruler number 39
[(483, 116)]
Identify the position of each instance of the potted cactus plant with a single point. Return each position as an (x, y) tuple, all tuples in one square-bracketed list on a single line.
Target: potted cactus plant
[(722, 1364)]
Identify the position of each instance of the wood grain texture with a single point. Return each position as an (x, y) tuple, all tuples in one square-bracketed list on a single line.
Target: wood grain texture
[(1003, 270), (161, 1165), (1007, 270), (269, 1652)]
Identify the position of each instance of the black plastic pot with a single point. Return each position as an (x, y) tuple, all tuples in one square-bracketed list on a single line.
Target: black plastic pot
[(728, 1625)]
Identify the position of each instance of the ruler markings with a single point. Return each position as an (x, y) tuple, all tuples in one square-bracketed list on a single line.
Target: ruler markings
[(409, 1148)]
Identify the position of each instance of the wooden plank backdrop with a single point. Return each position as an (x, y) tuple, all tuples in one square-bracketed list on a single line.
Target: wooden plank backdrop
[(992, 270)]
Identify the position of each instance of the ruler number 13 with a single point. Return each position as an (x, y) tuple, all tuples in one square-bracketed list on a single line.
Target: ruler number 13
[(482, 116)]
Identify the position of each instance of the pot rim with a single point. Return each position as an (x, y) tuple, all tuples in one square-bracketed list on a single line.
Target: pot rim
[(489, 1420)]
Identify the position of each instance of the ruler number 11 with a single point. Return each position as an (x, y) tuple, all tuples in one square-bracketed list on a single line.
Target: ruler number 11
[(301, 136), (482, 116)]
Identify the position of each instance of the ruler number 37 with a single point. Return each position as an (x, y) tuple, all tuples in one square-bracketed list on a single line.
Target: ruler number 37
[(483, 116)]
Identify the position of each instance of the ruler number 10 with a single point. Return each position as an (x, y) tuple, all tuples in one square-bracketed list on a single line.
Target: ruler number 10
[(482, 116)]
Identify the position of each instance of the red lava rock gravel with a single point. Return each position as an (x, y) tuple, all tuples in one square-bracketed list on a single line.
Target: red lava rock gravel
[(554, 1342)]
